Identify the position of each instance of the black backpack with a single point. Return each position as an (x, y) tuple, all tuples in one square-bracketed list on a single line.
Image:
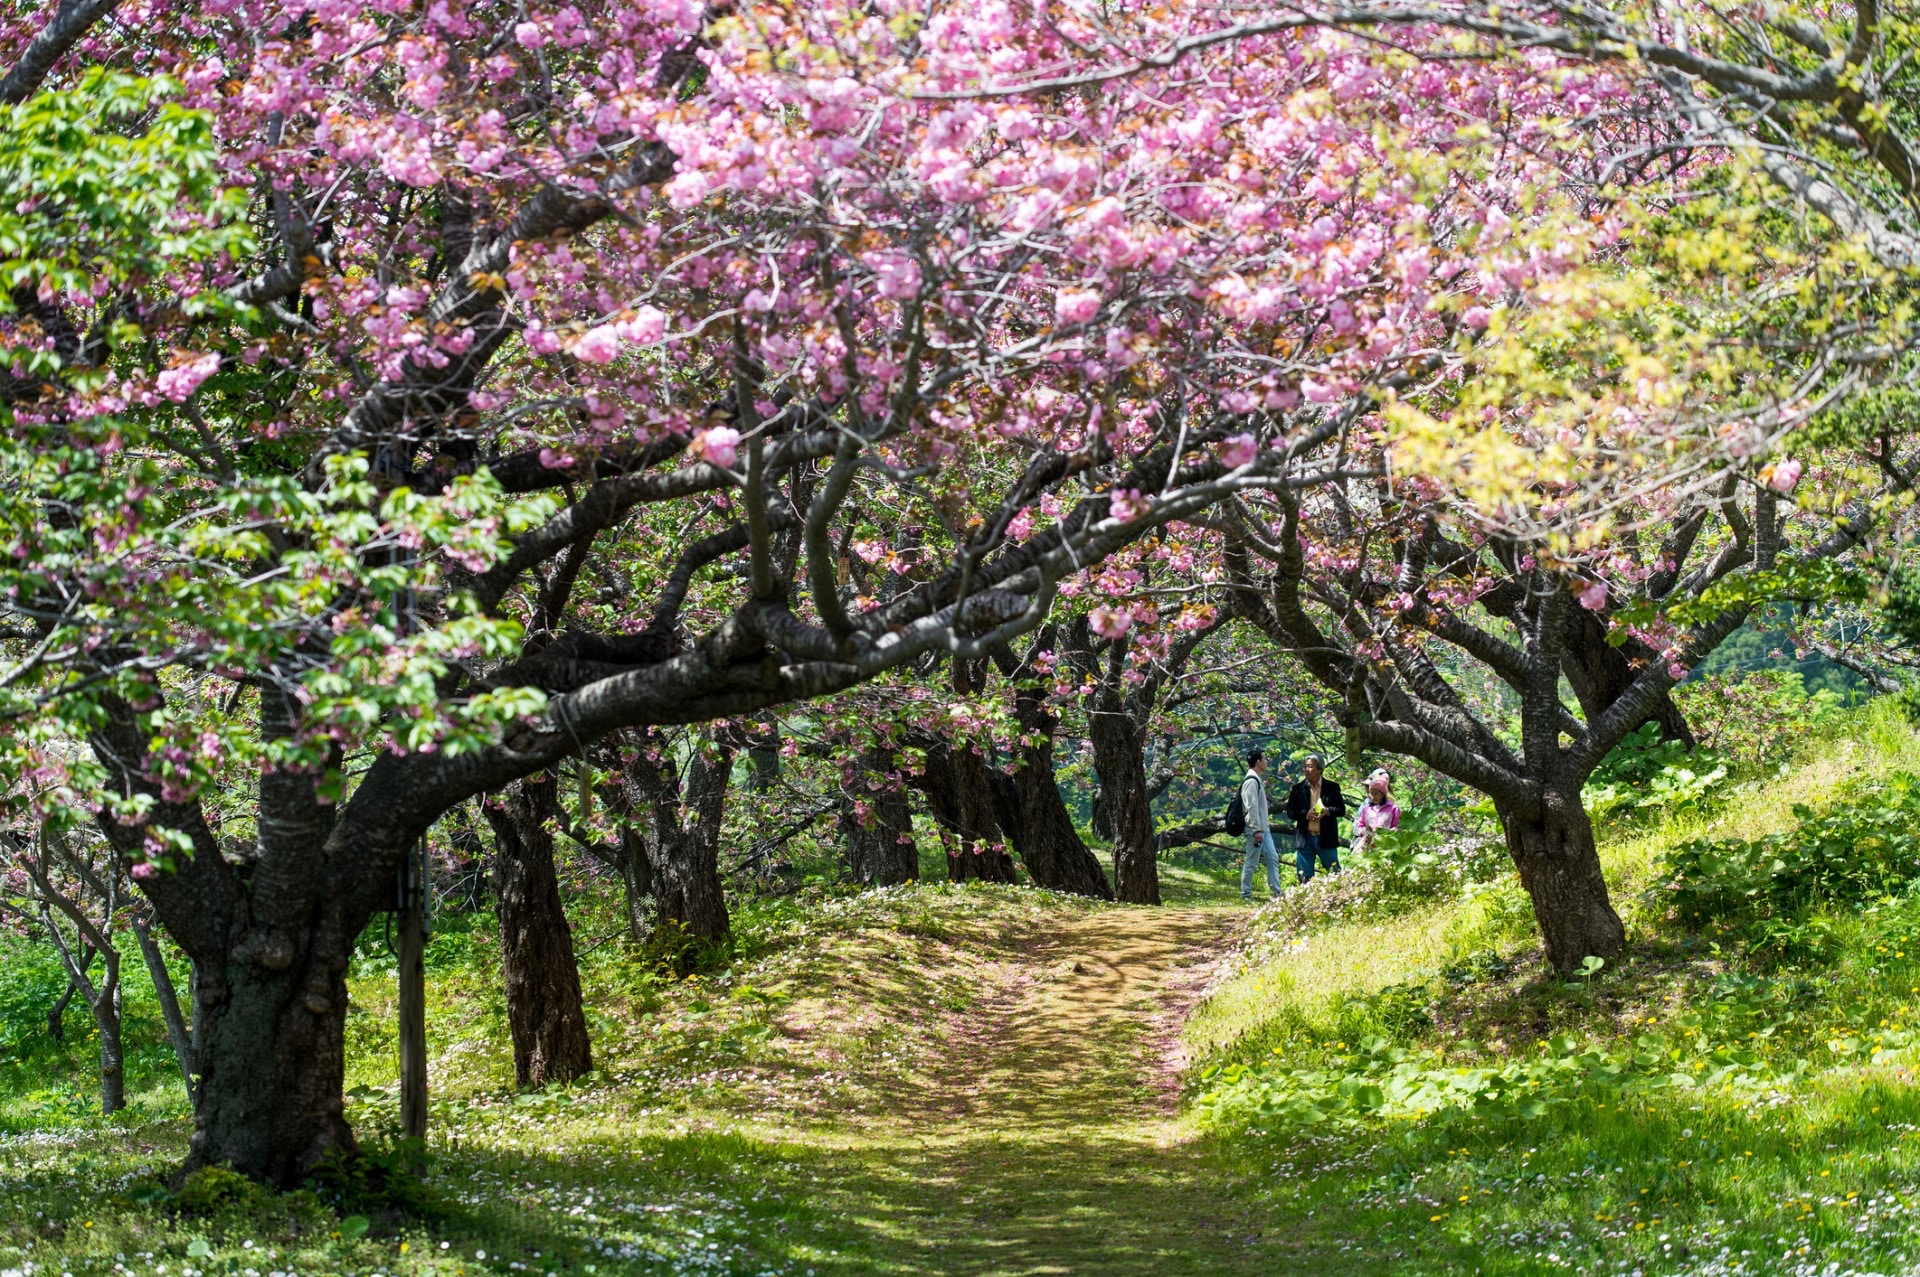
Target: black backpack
[(1237, 814)]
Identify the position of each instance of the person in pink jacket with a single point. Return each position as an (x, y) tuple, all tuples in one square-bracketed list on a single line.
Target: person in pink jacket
[(1378, 812)]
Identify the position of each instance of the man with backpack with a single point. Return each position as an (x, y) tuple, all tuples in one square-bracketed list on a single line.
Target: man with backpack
[(1249, 811)]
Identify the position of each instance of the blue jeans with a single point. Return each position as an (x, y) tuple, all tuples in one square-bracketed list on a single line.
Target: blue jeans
[(1307, 850), (1260, 846)]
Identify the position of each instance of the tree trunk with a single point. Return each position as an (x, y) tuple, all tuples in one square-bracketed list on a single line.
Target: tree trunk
[(544, 1009), (880, 847), (960, 798), (1101, 818), (106, 1018), (938, 783), (169, 1000), (763, 753), (1560, 868), (196, 1045), (959, 785), (57, 1013), (636, 880), (102, 999), (981, 854), (271, 1019), (1037, 819), (270, 938), (1119, 757), (685, 841), (470, 872)]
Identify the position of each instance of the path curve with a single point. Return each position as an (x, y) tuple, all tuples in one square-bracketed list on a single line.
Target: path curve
[(1049, 1139)]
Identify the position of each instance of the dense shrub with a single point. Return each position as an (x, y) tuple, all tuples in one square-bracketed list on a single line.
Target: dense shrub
[(1644, 775), (1866, 846), (212, 1189), (1419, 862), (1414, 865)]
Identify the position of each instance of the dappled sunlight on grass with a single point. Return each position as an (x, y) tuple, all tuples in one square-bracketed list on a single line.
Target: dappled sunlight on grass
[(1692, 1110), (925, 1080), (979, 1079), (1300, 980)]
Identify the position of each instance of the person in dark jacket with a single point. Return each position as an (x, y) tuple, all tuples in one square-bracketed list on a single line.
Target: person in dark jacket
[(1315, 805)]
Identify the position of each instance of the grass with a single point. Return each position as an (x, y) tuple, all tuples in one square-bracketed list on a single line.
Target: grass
[(990, 1080), (879, 1083), (1810, 1168)]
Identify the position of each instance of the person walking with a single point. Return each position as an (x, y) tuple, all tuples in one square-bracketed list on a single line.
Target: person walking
[(1378, 812), (1253, 800), (1315, 805)]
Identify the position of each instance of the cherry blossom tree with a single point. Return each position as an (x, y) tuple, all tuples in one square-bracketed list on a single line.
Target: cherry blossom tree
[(401, 400), (1387, 593), (1122, 675)]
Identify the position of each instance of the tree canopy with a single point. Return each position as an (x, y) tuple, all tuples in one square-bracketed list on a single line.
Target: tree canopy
[(405, 400)]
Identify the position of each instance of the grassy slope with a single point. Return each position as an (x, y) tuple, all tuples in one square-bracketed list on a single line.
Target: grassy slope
[(929, 1080), (1789, 1179), (982, 1080)]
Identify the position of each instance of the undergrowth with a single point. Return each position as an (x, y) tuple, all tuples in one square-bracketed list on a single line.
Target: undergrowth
[(1735, 1097), (687, 1150)]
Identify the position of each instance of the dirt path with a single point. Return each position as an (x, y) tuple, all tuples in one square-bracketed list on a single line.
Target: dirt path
[(1050, 1141)]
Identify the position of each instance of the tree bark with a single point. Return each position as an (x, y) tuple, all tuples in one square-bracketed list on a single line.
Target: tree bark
[(1119, 757), (1101, 819), (1036, 817), (763, 752), (981, 854), (880, 847), (273, 1057), (1559, 866), (959, 774), (545, 1013), (961, 799), (1119, 712), (1200, 831), (472, 877), (685, 834), (106, 1018), (636, 880), (1600, 674), (57, 1013), (102, 999)]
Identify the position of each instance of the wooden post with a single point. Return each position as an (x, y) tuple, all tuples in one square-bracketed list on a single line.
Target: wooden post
[(410, 947)]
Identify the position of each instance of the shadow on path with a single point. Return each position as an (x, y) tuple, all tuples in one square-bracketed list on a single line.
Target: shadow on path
[(1049, 1140)]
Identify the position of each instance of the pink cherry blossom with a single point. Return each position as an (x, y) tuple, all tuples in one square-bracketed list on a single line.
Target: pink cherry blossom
[(180, 381), (597, 345), (1785, 476), (1593, 595), (648, 325), (1075, 306), (719, 445), (1128, 504), (1238, 450), (1110, 622)]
